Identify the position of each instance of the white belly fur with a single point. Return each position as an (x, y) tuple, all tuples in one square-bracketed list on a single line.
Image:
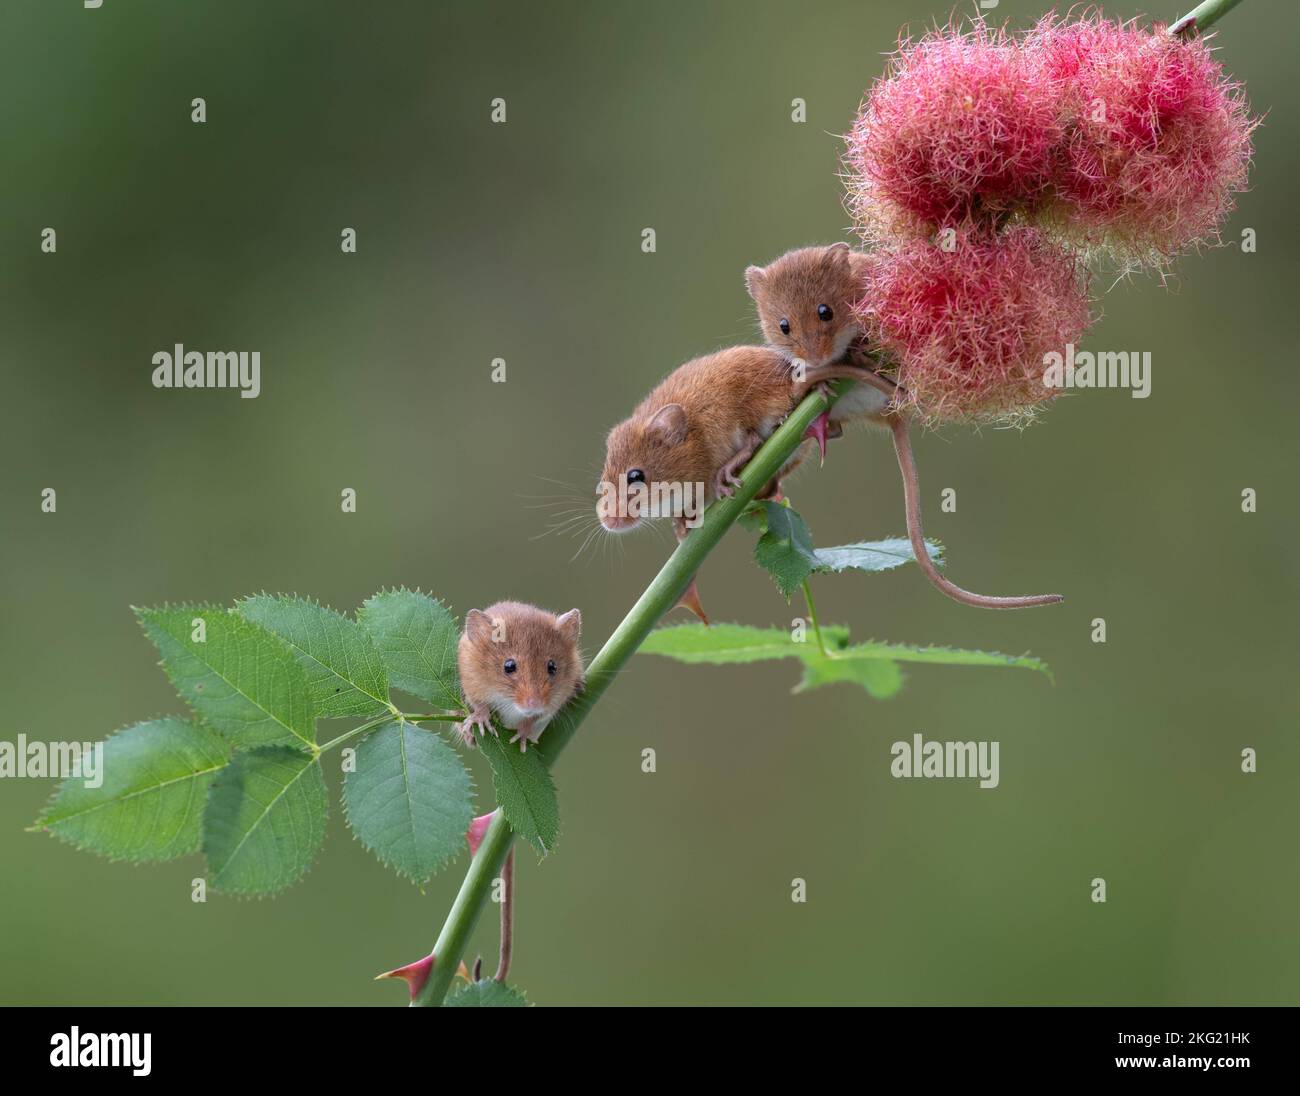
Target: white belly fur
[(858, 402)]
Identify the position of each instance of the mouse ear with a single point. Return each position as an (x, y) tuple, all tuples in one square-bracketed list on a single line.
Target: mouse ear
[(669, 423), (838, 252), (478, 625), (754, 278), (570, 624)]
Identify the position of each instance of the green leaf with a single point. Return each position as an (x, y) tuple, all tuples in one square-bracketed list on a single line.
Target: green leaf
[(409, 800), (945, 656), (721, 644), (150, 804), (524, 790), (873, 666), (487, 994), (875, 555), (265, 820), (241, 679), (343, 669), (786, 550), (879, 677), (416, 637)]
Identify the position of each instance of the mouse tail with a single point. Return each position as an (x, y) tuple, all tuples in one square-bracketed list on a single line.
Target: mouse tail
[(898, 425)]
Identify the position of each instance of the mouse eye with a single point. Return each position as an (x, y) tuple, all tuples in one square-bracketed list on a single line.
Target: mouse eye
[(551, 668), (510, 667), (635, 475), (784, 325), (824, 313)]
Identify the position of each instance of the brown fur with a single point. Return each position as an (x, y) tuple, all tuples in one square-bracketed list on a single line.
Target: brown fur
[(792, 287), (531, 636), (700, 416)]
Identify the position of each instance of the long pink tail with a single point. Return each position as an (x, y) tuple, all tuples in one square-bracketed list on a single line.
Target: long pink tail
[(912, 500)]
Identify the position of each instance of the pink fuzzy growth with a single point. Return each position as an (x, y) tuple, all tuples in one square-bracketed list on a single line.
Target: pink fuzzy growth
[(969, 328), (962, 124), (1157, 138)]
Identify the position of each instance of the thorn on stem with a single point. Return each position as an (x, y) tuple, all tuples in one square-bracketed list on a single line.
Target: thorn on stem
[(414, 974)]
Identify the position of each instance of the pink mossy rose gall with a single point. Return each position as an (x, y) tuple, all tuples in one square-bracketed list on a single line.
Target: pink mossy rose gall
[(1157, 138), (962, 125), (968, 326)]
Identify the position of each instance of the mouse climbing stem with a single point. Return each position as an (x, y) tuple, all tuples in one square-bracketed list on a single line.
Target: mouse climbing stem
[(659, 597)]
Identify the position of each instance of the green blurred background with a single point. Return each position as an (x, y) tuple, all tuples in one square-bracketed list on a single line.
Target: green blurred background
[(522, 242)]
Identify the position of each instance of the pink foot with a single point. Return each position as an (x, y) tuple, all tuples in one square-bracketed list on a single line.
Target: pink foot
[(524, 734), (480, 720)]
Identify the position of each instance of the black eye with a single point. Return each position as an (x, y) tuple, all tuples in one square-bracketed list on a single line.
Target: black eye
[(551, 668), (635, 475), (510, 666), (824, 313), (784, 325)]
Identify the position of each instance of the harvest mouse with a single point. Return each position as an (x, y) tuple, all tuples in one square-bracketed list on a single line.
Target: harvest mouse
[(520, 662), (805, 302), (685, 443), (806, 307)]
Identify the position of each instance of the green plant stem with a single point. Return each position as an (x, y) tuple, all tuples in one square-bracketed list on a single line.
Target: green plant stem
[(812, 615), (1203, 16), (659, 597), (387, 717)]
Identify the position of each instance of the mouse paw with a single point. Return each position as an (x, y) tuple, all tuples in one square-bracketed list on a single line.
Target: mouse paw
[(480, 720), (726, 482), (527, 732)]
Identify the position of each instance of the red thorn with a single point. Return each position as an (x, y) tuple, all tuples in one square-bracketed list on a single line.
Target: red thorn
[(415, 974), (691, 600), (819, 429), (477, 828)]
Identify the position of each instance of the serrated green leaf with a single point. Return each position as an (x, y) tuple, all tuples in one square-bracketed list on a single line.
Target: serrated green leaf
[(879, 677), (524, 790), (754, 517), (722, 644), (946, 656), (875, 555), (487, 994), (409, 800), (786, 550), (264, 821), (241, 679), (874, 666), (416, 637), (150, 804), (344, 671)]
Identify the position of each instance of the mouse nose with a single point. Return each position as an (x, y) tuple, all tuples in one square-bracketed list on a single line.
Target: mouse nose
[(618, 523)]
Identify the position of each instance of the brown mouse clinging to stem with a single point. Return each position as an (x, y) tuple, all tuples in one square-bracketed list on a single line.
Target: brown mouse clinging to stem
[(685, 443), (805, 302), (519, 662)]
